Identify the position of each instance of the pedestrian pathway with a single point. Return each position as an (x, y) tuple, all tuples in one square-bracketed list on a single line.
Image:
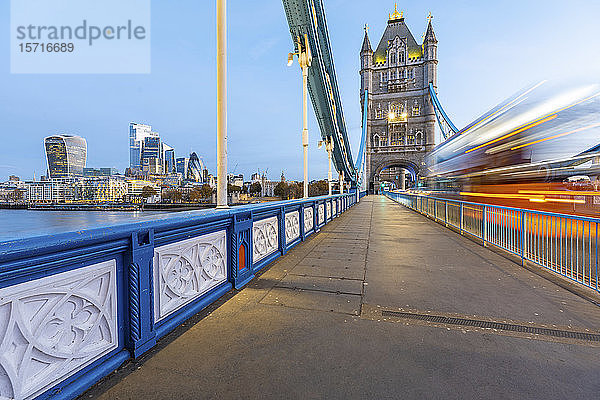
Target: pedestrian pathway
[(382, 303)]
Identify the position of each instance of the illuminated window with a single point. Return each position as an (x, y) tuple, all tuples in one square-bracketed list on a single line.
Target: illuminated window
[(397, 134), (410, 138), (415, 108)]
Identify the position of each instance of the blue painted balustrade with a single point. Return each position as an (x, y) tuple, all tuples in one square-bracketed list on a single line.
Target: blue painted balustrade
[(75, 306)]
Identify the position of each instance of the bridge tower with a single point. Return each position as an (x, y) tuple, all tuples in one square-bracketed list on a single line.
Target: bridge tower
[(401, 118)]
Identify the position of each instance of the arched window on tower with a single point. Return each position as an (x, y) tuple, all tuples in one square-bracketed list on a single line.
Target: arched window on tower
[(401, 55), (392, 57), (419, 137), (375, 140)]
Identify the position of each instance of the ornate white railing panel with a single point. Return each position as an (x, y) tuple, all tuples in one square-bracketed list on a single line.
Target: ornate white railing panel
[(265, 238), (292, 226), (52, 327), (328, 210), (184, 271), (334, 208), (321, 215), (309, 221)]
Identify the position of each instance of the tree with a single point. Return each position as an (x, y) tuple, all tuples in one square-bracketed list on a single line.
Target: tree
[(318, 188), (295, 191), (206, 191), (255, 188), (232, 188), (148, 191), (173, 195), (245, 189), (196, 195), (282, 190)]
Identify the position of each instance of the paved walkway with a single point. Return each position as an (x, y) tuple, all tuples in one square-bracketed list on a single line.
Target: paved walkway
[(317, 324)]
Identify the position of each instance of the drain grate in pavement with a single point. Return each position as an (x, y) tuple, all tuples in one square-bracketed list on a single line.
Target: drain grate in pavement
[(440, 319)]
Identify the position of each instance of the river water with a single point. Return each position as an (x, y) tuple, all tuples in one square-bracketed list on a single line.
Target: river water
[(16, 224)]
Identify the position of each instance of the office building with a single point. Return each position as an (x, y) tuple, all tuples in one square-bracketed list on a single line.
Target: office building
[(195, 172), (169, 158), (66, 155), (181, 166), (137, 134)]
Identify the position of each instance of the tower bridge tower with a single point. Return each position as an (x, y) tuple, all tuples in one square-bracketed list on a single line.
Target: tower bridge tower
[(401, 118)]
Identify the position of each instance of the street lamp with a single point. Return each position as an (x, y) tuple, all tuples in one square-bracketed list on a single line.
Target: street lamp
[(329, 147), (304, 59), (222, 104)]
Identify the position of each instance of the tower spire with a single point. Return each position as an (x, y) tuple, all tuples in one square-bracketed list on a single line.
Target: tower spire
[(429, 35), (366, 46)]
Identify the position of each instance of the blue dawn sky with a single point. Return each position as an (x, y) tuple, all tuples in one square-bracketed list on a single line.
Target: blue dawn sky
[(487, 51)]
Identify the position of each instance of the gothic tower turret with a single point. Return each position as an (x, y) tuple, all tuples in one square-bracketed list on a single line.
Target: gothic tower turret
[(430, 55), (366, 63)]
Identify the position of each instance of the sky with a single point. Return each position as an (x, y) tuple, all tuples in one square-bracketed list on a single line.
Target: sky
[(487, 51)]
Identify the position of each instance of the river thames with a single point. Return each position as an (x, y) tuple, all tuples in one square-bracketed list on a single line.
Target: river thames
[(16, 224)]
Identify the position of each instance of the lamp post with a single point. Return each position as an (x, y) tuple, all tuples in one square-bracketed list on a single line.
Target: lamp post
[(304, 59), (222, 104)]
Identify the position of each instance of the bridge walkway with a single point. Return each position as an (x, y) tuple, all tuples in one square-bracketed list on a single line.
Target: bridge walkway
[(322, 322)]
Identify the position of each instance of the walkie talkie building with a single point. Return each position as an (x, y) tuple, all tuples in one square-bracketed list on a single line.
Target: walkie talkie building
[(66, 155)]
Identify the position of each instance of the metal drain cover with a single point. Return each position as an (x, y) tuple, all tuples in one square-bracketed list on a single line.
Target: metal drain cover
[(440, 319)]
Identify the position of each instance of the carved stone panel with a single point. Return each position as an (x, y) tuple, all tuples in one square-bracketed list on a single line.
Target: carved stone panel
[(328, 209), (321, 216), (292, 226), (308, 219), (265, 238), (185, 270), (52, 327)]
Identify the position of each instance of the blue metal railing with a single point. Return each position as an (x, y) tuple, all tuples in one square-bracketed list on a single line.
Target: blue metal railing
[(564, 244), (87, 301)]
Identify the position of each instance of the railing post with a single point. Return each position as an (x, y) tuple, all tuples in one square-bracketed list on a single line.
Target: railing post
[(141, 336), (523, 236), (483, 219), (446, 213), (461, 217)]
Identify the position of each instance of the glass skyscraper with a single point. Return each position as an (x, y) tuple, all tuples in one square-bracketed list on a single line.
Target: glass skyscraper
[(137, 134), (169, 156), (66, 155), (195, 171)]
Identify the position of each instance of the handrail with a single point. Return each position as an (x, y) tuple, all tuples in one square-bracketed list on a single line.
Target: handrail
[(136, 282)]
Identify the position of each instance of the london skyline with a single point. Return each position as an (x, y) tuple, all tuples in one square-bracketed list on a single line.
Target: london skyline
[(482, 60)]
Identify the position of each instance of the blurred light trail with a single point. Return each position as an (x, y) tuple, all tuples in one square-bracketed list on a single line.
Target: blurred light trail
[(555, 136), (521, 129)]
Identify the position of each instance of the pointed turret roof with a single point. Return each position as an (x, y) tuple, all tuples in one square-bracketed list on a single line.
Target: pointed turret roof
[(429, 35), (366, 46), (397, 27)]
